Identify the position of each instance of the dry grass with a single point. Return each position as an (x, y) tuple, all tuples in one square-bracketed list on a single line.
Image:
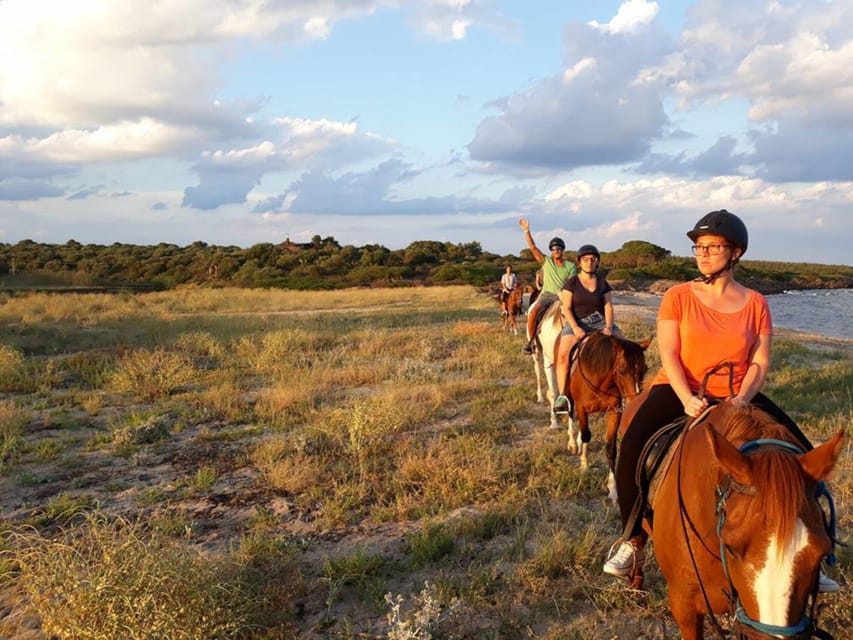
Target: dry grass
[(110, 579), (352, 464)]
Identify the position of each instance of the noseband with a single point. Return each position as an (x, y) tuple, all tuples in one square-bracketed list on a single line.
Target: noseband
[(744, 626)]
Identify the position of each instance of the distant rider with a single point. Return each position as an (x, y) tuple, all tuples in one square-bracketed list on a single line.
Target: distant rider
[(509, 281)]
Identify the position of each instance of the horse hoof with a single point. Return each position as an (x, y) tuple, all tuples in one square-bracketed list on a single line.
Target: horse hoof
[(636, 582)]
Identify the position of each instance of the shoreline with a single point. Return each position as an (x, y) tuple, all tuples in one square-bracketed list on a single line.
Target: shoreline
[(643, 306)]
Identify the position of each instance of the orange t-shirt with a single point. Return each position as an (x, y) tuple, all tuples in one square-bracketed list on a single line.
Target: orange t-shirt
[(709, 337)]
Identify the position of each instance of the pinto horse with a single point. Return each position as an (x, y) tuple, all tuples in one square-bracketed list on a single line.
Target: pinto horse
[(604, 370), (737, 525), (511, 309)]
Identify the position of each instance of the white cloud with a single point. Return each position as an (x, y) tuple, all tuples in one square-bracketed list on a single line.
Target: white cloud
[(632, 16), (114, 142), (453, 19), (803, 77), (585, 64), (226, 176)]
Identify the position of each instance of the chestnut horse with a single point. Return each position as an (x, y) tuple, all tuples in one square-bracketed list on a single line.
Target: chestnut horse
[(511, 309), (604, 370), (737, 524)]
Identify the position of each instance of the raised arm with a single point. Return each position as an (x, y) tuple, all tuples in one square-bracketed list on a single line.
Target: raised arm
[(524, 223)]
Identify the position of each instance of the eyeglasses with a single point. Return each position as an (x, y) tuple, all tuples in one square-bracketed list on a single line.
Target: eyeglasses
[(709, 249)]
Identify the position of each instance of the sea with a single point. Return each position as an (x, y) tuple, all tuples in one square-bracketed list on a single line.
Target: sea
[(825, 312)]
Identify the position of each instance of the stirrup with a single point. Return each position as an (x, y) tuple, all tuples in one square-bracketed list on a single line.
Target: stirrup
[(825, 584), (562, 405)]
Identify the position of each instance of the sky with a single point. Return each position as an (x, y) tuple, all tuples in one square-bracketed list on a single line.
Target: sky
[(236, 122)]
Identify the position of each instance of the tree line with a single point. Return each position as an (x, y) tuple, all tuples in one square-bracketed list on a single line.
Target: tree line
[(324, 263)]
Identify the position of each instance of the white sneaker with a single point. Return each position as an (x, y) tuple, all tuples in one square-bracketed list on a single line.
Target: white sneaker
[(825, 584), (626, 558)]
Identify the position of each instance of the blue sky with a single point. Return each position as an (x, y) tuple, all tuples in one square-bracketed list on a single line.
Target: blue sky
[(236, 122)]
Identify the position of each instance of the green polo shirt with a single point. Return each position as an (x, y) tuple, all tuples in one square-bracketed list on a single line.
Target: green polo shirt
[(554, 276)]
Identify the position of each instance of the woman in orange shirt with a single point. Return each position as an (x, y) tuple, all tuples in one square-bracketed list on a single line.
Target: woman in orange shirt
[(700, 324)]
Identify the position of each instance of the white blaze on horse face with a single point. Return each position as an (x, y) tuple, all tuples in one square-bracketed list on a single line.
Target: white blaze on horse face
[(775, 581)]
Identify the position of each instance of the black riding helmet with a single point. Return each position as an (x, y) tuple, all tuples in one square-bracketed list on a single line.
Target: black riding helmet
[(589, 250), (557, 242), (722, 223), (729, 226)]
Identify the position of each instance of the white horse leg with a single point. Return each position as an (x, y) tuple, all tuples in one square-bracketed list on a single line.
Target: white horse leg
[(551, 387), (539, 371), (574, 437), (611, 488), (584, 458)]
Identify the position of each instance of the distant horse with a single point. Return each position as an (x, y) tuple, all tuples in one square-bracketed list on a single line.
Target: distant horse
[(511, 309), (604, 371), (737, 525)]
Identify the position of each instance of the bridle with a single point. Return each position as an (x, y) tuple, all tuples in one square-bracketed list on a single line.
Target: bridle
[(807, 626), (600, 390), (744, 626)]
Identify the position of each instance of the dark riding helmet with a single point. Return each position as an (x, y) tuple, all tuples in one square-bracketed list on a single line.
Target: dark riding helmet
[(722, 223), (589, 250), (557, 242)]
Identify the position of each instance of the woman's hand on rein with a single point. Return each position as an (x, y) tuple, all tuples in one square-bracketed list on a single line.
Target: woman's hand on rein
[(738, 401), (694, 406)]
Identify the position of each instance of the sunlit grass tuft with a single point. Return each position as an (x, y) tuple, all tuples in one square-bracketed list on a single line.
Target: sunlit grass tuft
[(151, 374), (109, 579)]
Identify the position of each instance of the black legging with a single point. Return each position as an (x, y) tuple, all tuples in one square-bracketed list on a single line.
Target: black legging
[(660, 409)]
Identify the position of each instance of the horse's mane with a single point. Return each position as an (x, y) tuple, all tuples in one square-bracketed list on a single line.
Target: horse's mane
[(599, 353), (777, 475)]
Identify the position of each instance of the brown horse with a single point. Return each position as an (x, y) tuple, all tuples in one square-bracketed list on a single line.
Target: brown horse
[(604, 371), (511, 309), (737, 526)]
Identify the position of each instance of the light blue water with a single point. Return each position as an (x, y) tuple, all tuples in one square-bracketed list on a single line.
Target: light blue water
[(827, 312)]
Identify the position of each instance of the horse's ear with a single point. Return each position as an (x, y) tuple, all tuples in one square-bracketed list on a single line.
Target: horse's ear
[(728, 457), (645, 343), (818, 462)]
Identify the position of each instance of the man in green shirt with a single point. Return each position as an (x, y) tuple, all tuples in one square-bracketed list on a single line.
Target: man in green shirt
[(555, 270)]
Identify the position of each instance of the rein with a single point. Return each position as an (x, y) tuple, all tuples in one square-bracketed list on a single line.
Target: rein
[(807, 627)]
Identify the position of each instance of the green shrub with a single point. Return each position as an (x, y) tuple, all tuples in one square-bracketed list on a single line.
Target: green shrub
[(431, 544)]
